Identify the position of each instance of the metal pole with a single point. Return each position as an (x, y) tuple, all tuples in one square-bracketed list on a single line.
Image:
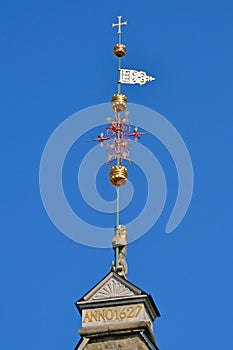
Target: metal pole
[(118, 160)]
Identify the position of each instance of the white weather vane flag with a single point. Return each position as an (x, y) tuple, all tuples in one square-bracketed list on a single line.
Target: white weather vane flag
[(131, 76)]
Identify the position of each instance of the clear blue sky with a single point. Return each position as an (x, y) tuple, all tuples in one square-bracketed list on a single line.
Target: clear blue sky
[(56, 59)]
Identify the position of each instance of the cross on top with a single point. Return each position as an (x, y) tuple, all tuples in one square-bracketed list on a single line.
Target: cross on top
[(119, 24)]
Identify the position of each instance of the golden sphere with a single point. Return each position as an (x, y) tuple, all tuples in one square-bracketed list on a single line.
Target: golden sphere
[(119, 102), (119, 50), (118, 175)]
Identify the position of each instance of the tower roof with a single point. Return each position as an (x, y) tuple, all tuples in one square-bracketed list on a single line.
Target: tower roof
[(114, 288), (115, 313), (115, 307)]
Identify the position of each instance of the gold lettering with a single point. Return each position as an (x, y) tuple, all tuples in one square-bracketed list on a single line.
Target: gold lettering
[(131, 312), (117, 313), (88, 317), (139, 308), (123, 313), (95, 314), (101, 315), (107, 314)]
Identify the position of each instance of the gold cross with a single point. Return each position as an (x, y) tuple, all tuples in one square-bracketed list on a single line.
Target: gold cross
[(119, 24)]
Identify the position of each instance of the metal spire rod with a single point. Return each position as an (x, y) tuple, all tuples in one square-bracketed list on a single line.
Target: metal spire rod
[(118, 146), (119, 55)]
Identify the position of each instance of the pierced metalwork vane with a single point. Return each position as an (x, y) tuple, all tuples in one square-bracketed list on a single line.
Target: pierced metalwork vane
[(130, 76)]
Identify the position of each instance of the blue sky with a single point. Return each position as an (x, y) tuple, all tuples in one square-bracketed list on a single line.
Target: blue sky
[(56, 59)]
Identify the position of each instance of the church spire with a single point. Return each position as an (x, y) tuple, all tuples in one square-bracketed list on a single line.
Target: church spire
[(115, 313)]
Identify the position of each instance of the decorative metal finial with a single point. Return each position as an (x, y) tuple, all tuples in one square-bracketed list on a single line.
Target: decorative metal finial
[(119, 24), (118, 139)]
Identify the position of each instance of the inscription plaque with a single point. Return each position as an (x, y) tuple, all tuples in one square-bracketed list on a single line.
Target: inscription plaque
[(114, 314)]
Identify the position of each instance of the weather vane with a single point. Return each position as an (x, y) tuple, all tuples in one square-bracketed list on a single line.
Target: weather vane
[(118, 139)]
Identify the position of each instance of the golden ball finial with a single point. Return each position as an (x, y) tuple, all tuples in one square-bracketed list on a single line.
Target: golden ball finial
[(119, 102), (119, 50), (118, 175)]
